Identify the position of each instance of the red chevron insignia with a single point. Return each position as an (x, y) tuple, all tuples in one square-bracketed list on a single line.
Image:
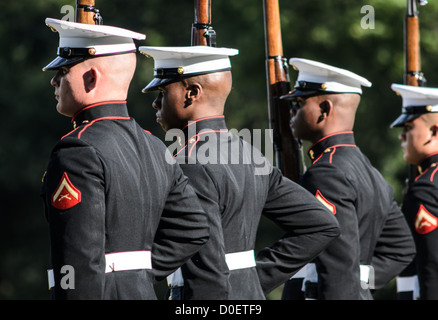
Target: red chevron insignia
[(325, 202), (66, 195), (425, 222)]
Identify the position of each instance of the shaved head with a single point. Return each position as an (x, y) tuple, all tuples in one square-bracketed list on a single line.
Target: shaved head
[(116, 73), (94, 80), (344, 110), (216, 87)]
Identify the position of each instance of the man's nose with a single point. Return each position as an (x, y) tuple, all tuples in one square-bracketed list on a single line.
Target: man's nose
[(402, 136), (156, 104), (55, 80)]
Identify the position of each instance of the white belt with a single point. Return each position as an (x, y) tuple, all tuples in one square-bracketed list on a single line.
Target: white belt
[(128, 260), (365, 273), (240, 260), (119, 261), (409, 284), (236, 260), (309, 273)]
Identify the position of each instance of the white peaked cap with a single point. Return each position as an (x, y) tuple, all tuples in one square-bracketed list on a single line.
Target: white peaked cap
[(316, 77), (80, 41), (173, 63), (416, 101)]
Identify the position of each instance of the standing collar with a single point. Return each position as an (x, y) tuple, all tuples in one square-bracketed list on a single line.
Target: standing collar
[(426, 163), (345, 138), (208, 123), (100, 110), (190, 134)]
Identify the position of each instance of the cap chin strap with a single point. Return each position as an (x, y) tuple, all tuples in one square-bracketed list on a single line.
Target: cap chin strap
[(69, 52), (420, 109), (330, 86)]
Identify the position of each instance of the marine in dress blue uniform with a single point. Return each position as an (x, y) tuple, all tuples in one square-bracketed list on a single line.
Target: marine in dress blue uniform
[(120, 214), (419, 120), (375, 242), (235, 183)]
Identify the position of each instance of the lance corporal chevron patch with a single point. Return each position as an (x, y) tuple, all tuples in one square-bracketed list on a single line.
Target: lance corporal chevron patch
[(66, 194), (325, 202), (425, 222)]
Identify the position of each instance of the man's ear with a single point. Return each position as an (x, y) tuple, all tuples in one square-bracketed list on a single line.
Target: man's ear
[(434, 131), (326, 107), (91, 78), (194, 91)]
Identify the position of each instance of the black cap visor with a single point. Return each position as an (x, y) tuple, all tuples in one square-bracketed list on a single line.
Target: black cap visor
[(167, 76), (158, 82), (300, 93), (59, 62), (403, 118)]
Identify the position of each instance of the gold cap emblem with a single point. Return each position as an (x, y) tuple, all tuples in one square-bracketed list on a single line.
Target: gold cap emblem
[(180, 70), (92, 51)]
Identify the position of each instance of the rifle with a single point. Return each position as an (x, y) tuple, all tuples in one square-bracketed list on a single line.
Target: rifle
[(87, 13), (202, 31), (413, 75), (286, 147)]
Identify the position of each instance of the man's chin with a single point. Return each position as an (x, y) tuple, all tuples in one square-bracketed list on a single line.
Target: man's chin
[(408, 160)]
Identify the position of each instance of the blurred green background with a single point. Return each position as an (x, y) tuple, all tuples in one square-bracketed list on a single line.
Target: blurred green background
[(324, 30)]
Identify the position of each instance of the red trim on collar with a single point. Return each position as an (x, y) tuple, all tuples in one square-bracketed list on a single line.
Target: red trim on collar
[(98, 104), (421, 174), (432, 175), (70, 133), (333, 151), (330, 135), (201, 119), (197, 139), (430, 155), (99, 119)]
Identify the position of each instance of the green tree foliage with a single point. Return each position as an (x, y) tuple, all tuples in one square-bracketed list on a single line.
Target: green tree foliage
[(325, 30)]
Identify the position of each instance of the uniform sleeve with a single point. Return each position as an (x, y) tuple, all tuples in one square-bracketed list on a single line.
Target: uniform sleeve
[(420, 206), (206, 273), (183, 227), (395, 247), (309, 227), (75, 208), (338, 265)]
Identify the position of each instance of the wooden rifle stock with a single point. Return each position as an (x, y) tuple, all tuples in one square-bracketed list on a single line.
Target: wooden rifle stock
[(87, 13), (413, 74), (286, 147), (202, 31)]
